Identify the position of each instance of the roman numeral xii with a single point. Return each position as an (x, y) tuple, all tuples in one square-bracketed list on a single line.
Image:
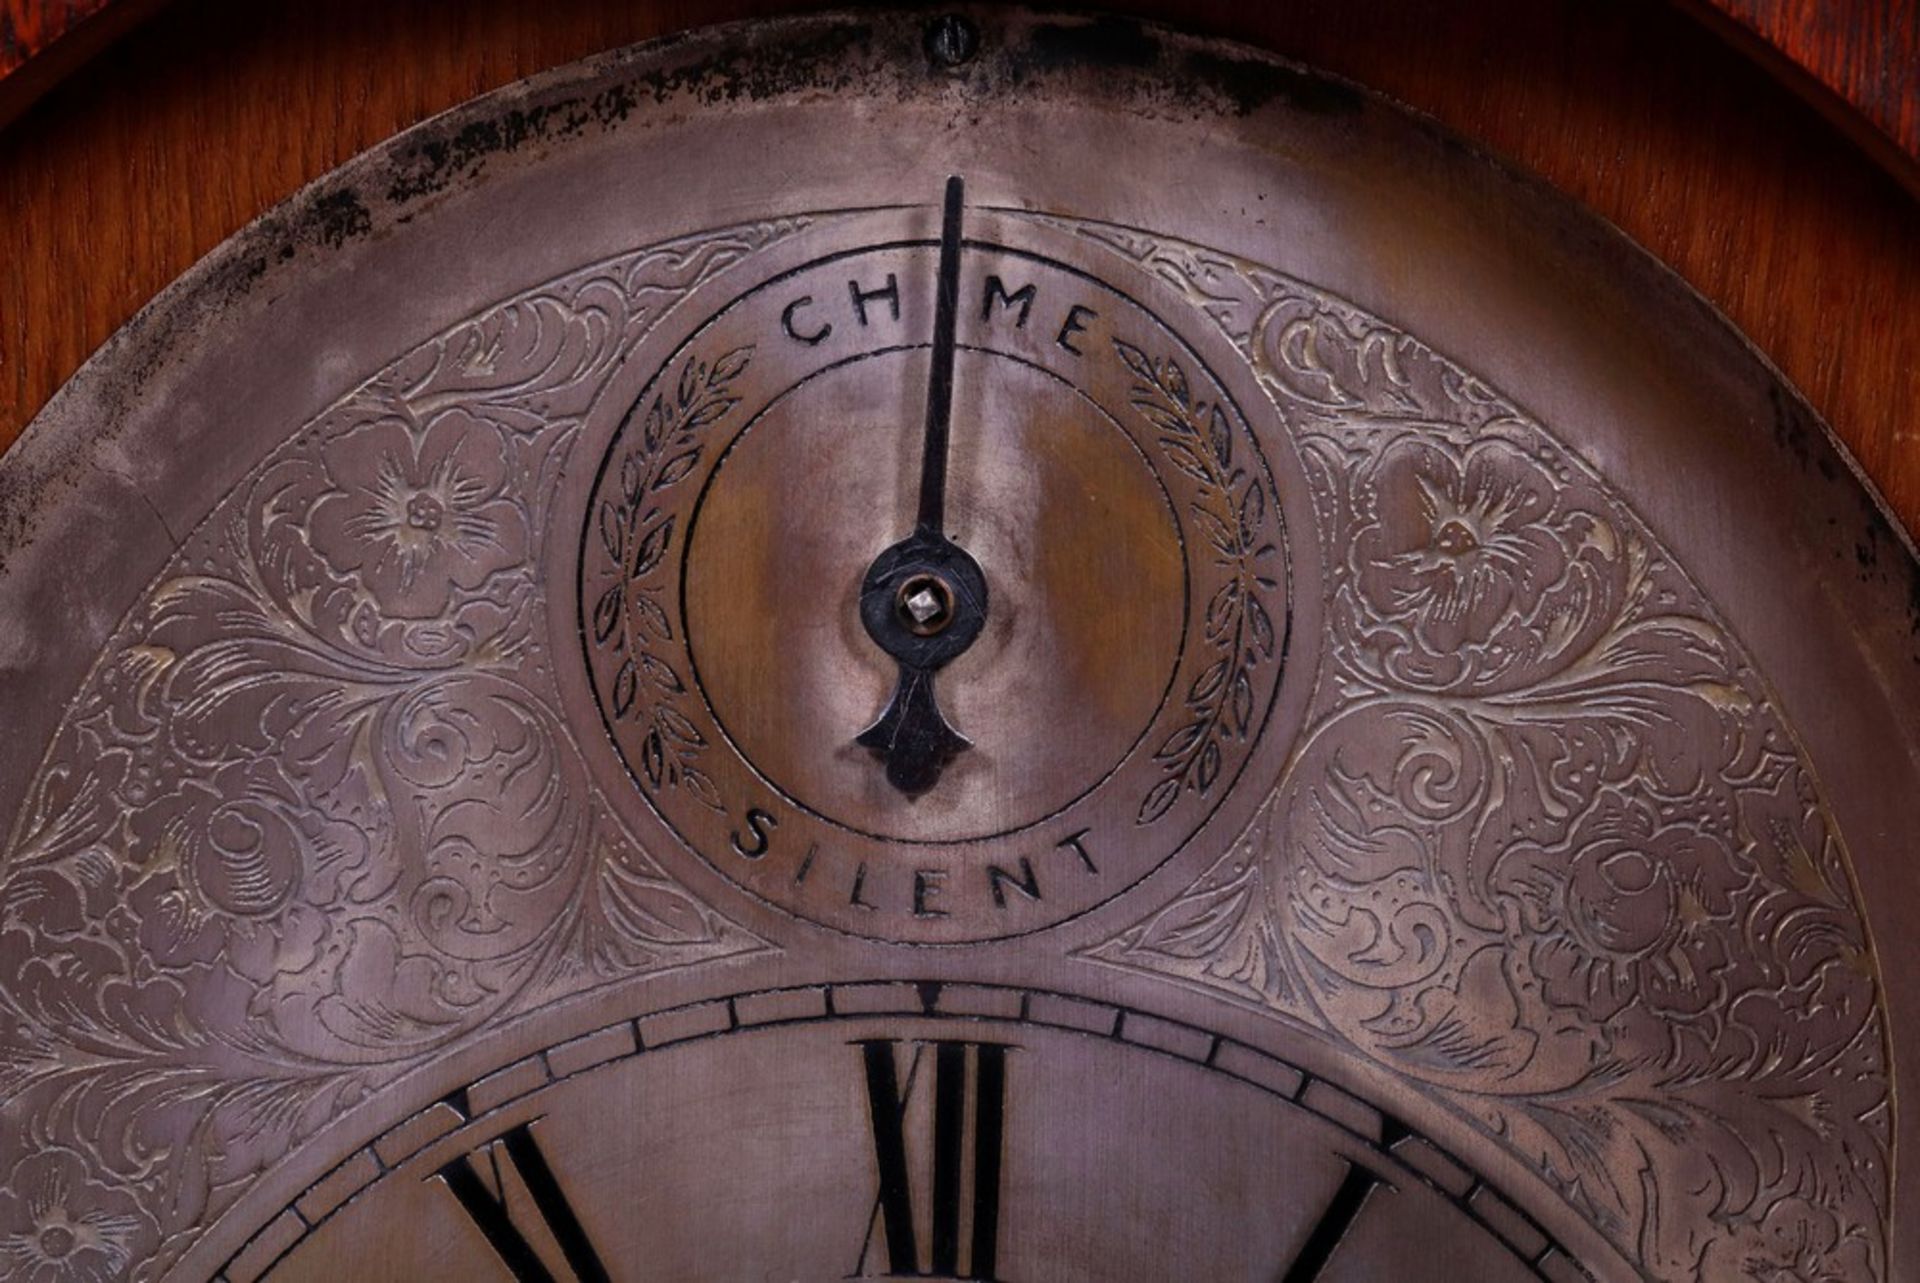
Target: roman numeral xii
[(963, 1186)]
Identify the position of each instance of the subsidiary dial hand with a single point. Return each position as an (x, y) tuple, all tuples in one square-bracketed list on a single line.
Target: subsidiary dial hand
[(924, 599)]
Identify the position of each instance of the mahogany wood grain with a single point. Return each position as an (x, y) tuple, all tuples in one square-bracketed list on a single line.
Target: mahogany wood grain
[(149, 156), (29, 27), (43, 41), (1859, 60)]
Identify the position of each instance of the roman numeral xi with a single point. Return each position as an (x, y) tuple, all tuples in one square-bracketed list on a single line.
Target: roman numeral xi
[(488, 1201)]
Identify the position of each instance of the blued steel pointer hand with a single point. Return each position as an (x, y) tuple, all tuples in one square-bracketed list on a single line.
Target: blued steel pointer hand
[(924, 599)]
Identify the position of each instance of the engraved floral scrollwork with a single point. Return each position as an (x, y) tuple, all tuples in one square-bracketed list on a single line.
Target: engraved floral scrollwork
[(1546, 847), (57, 1225), (416, 516), (314, 817), (1796, 1241), (1473, 571)]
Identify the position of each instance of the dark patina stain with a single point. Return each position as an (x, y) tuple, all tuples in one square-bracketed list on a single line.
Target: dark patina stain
[(1103, 43), (1881, 551), (336, 218), (1913, 608), (1203, 79), (1250, 83), (1790, 430), (821, 60)]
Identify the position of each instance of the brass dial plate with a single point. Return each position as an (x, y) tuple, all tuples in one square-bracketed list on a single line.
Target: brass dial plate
[(1428, 715)]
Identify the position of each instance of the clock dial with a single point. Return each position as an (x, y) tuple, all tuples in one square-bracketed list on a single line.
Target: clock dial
[(1108, 557), (935, 1146), (1006, 647)]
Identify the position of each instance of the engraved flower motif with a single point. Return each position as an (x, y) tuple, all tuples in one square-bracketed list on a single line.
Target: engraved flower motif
[(416, 516), (55, 903), (59, 1226), (1475, 571), (1629, 908), (1795, 1242), (223, 859)]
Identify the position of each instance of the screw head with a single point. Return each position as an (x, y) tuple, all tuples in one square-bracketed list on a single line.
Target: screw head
[(925, 604), (951, 40)]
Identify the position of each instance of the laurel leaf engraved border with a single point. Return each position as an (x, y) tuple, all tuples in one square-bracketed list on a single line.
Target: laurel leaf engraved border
[(1236, 523), (663, 449), (315, 818), (1547, 848)]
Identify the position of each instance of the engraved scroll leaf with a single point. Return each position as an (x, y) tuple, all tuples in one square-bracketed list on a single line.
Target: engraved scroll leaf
[(1546, 847), (314, 815), (1326, 356)]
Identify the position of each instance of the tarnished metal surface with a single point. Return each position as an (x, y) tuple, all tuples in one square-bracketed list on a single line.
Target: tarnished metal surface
[(1440, 744)]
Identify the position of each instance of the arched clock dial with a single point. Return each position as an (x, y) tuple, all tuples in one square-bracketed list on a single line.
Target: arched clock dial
[(1030, 649)]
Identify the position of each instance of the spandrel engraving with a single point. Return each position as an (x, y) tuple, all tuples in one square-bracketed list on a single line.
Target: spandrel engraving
[(316, 816), (1547, 847)]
